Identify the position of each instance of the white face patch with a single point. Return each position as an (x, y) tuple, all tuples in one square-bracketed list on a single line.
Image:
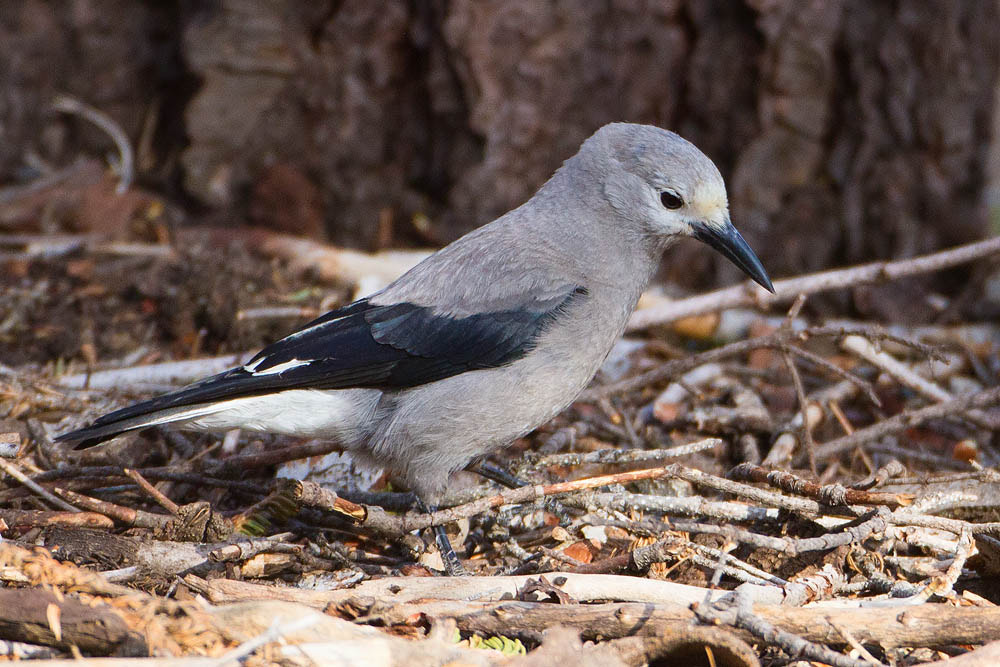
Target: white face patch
[(710, 204)]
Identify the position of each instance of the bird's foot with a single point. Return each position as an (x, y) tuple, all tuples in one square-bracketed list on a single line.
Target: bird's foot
[(498, 475), (452, 565)]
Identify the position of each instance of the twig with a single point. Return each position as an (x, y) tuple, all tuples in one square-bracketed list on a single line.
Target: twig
[(171, 372), (907, 419), (831, 494), (685, 506), (236, 466), (903, 518), (122, 574), (805, 429), (724, 565), (380, 521), (855, 644), (333, 264), (580, 587), (905, 375), (889, 470), (776, 340), (272, 634), (153, 492), (863, 348), (248, 547), (938, 462), (927, 625), (126, 163), (817, 360), (127, 515), (56, 245), (276, 312), (14, 472), (611, 455), (747, 294), (163, 473), (794, 645), (800, 505), (788, 546), (944, 586), (34, 518), (841, 418)]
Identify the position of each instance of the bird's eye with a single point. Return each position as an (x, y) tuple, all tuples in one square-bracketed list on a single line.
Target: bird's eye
[(670, 200)]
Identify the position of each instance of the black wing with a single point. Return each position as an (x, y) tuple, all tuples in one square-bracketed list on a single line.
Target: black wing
[(365, 345)]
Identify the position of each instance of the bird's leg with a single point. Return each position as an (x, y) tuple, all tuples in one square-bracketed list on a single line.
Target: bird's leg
[(504, 478), (452, 565), (498, 475)]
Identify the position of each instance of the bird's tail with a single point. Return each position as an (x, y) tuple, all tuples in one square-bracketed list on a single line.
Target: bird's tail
[(133, 418)]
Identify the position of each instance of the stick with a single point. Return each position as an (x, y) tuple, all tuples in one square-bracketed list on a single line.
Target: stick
[(14, 472), (612, 455), (76, 519), (151, 490), (579, 587), (748, 294), (380, 521), (333, 264), (126, 515), (126, 162), (171, 372), (926, 625), (863, 348), (777, 340), (907, 419)]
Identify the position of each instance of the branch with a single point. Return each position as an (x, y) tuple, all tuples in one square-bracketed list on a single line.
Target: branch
[(924, 625), (907, 419), (126, 161), (748, 294)]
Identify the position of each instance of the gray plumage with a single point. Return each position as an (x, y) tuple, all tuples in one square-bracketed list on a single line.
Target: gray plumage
[(486, 339)]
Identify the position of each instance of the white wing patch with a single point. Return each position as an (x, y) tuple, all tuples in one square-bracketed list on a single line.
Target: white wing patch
[(250, 368), (274, 370)]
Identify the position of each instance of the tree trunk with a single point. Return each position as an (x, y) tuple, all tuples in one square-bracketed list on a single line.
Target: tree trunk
[(847, 130)]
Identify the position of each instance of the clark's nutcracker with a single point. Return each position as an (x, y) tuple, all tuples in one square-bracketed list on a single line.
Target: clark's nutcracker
[(487, 338)]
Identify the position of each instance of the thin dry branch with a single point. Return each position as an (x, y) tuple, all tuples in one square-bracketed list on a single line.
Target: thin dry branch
[(829, 494), (794, 645), (126, 160), (623, 456), (387, 524), (904, 420), (41, 491), (170, 372), (34, 518), (779, 340), (748, 294), (334, 264)]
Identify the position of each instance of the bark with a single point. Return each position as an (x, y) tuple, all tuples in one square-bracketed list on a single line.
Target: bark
[(37, 616), (847, 129)]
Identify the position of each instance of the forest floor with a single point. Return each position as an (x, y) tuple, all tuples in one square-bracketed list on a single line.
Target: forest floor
[(746, 482)]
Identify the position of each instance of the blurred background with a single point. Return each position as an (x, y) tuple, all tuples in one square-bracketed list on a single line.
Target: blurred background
[(847, 130)]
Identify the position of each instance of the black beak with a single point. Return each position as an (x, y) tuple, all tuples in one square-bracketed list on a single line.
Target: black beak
[(729, 242)]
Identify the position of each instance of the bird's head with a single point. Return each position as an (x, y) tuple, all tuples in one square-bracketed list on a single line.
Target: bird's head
[(668, 187)]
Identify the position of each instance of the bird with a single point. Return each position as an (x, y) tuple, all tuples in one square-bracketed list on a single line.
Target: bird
[(484, 340)]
